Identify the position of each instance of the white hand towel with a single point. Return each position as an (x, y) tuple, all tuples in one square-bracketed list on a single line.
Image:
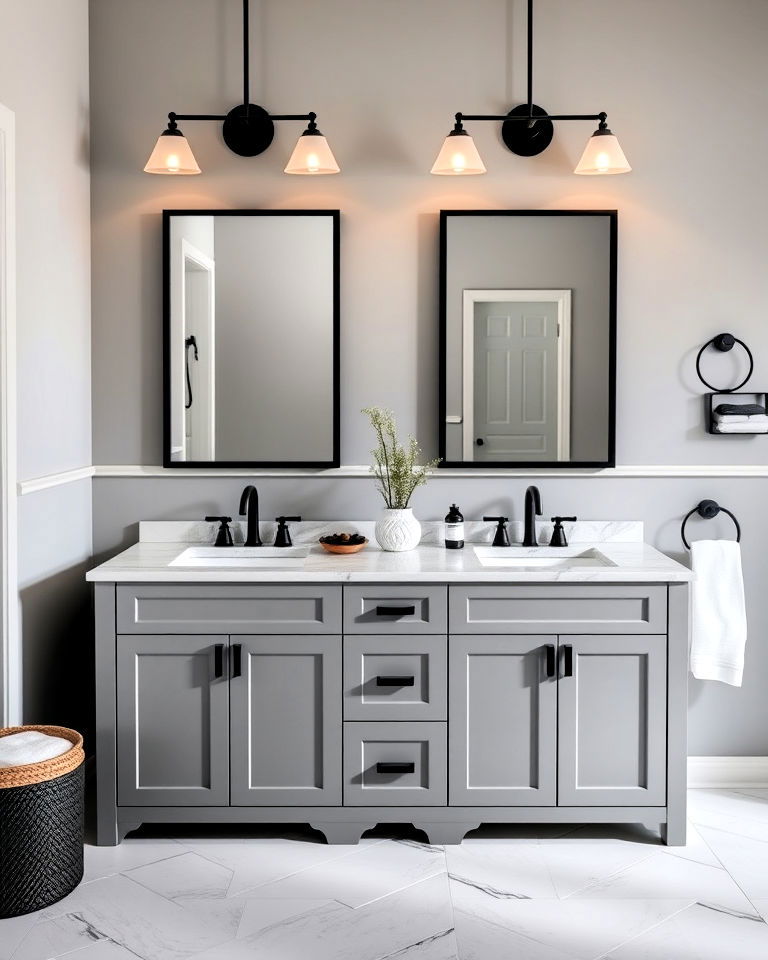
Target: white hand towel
[(732, 417), (30, 746), (719, 622), (758, 418)]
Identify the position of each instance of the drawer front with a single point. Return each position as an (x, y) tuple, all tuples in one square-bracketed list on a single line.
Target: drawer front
[(396, 609), (395, 678), (573, 609), (395, 764), (171, 608)]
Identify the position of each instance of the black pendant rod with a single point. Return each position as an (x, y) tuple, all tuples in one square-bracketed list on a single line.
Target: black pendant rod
[(530, 58), (246, 61)]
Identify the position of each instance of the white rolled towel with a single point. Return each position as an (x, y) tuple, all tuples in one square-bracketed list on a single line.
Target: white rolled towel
[(30, 746)]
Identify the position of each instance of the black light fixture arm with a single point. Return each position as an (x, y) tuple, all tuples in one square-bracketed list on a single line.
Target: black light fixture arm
[(601, 117)]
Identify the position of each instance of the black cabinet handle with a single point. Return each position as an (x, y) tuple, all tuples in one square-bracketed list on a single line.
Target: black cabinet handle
[(480, 441), (395, 611), (384, 767), (218, 661), (395, 681), (567, 660), (550, 650), (237, 659)]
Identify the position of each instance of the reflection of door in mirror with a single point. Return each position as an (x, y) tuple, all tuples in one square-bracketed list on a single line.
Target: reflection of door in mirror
[(516, 375), (199, 314)]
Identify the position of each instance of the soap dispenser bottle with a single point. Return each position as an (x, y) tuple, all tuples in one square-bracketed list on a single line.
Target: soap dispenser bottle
[(454, 529)]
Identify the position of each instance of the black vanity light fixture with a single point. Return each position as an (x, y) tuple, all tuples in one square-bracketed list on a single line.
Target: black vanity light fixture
[(247, 129), (527, 131)]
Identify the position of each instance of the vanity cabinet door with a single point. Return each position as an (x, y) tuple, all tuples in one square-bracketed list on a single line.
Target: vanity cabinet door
[(285, 721), (172, 721), (612, 721), (502, 730)]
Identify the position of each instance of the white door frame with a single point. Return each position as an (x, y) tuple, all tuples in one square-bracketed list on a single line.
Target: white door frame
[(10, 641), (563, 300)]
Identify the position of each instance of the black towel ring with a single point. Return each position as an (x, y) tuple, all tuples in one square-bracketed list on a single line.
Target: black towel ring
[(707, 509), (724, 342)]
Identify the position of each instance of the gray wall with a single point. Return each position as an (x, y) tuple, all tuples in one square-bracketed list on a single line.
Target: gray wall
[(44, 80), (539, 253), (385, 82)]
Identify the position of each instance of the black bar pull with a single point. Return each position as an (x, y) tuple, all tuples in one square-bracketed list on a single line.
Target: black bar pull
[(395, 611), (567, 660), (384, 767), (395, 681), (218, 661), (237, 659), (550, 650)]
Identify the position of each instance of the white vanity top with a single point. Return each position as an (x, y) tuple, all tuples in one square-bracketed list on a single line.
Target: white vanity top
[(627, 558)]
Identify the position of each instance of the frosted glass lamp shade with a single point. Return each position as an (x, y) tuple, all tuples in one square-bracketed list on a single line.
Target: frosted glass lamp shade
[(312, 155), (172, 155), (602, 155), (458, 156)]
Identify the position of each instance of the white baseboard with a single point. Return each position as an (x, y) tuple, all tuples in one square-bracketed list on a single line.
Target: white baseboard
[(728, 772)]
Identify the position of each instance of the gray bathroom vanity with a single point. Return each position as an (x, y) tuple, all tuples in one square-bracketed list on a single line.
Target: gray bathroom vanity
[(440, 688)]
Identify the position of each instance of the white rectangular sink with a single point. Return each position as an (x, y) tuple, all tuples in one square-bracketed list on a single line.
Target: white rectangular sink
[(255, 557), (542, 558)]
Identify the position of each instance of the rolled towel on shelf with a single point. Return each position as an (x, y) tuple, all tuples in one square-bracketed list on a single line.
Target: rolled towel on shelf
[(30, 746), (748, 427), (740, 409), (731, 417), (719, 619)]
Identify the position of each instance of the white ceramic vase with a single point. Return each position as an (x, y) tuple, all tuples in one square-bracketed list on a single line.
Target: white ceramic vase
[(398, 530)]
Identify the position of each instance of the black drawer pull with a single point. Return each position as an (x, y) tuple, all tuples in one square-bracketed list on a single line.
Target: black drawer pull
[(218, 661), (568, 660), (395, 681), (550, 649), (384, 767), (237, 659), (395, 611)]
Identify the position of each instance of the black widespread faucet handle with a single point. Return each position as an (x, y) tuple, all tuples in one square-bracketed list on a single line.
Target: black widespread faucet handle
[(559, 538), (224, 535), (501, 537), (283, 535)]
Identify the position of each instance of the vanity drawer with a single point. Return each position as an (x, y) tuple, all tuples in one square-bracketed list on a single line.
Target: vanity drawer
[(172, 608), (395, 678), (575, 608), (395, 764), (396, 609)]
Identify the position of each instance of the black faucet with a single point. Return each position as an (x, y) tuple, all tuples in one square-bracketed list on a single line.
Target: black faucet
[(532, 510), (249, 502)]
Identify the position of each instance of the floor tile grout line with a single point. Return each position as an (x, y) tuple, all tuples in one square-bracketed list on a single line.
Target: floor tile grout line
[(615, 873), (642, 933), (747, 897)]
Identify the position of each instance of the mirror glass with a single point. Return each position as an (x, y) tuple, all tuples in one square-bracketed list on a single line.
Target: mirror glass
[(251, 344), (528, 323)]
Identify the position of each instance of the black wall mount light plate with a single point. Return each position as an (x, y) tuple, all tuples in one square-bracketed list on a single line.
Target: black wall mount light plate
[(527, 139), (251, 134)]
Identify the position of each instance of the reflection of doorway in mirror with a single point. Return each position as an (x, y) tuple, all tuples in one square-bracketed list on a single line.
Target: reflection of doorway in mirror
[(199, 322), (516, 375)]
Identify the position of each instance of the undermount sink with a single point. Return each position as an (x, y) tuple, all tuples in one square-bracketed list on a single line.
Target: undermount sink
[(538, 558), (259, 557)]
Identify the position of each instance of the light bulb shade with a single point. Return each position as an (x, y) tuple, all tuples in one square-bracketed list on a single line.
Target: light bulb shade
[(312, 155), (458, 157), (602, 155), (172, 155)]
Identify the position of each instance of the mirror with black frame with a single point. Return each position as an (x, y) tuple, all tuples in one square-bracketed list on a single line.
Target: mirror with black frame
[(527, 338), (251, 345)]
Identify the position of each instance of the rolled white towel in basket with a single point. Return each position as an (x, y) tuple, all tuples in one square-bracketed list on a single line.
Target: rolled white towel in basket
[(30, 746)]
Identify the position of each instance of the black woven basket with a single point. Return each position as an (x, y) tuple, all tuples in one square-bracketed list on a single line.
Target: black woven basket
[(41, 842)]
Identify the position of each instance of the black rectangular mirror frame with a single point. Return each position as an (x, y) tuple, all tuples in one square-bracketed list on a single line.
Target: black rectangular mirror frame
[(335, 216), (610, 461)]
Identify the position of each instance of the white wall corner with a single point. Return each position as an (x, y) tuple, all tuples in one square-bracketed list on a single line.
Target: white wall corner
[(727, 772)]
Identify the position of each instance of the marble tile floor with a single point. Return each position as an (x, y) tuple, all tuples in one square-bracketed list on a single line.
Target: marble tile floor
[(527, 893)]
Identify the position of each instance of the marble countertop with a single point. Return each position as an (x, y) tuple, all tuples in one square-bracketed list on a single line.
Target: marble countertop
[(629, 559)]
